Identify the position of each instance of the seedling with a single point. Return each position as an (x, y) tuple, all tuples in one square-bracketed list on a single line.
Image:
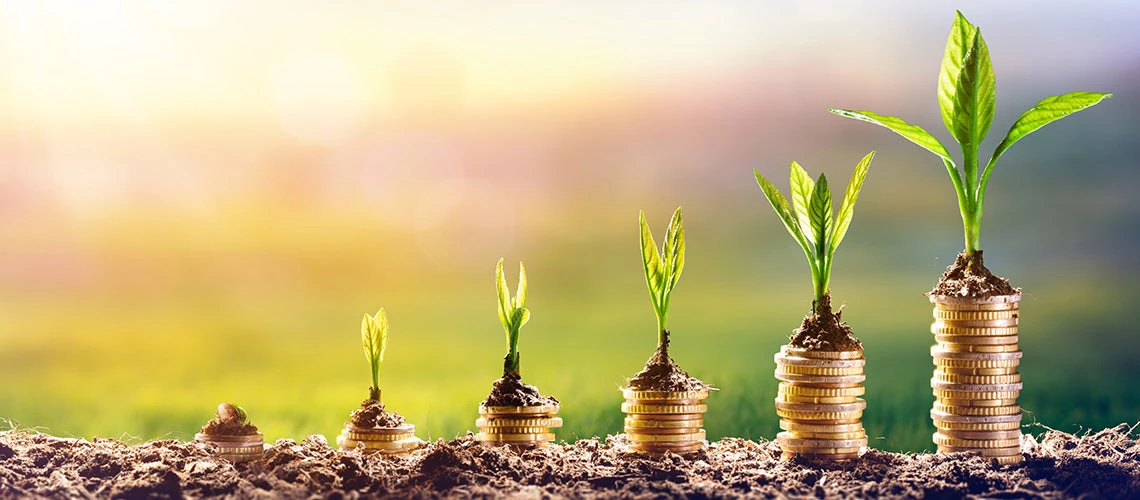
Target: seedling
[(513, 314), (663, 268), (374, 339), (966, 96), (810, 220)]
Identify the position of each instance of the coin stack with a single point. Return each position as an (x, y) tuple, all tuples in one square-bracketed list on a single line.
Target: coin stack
[(661, 421), (975, 382), (521, 426), (818, 403), (235, 448), (383, 440)]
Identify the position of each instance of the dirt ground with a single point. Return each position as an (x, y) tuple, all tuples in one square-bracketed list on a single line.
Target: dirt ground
[(1104, 464)]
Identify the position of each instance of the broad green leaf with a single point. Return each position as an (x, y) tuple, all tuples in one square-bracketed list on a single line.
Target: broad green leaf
[(963, 37), (909, 132), (847, 209), (368, 339), (974, 96), (674, 250), (520, 292), (780, 204), (504, 298), (651, 259), (819, 211), (382, 332), (1050, 109), (802, 185), (523, 317)]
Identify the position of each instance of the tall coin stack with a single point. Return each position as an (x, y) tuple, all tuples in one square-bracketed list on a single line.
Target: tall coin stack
[(383, 440), (661, 421), (522, 426), (975, 382), (818, 403), (235, 448)]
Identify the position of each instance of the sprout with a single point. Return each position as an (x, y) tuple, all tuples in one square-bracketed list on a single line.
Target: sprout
[(374, 338), (966, 96), (810, 219), (513, 314), (663, 268)]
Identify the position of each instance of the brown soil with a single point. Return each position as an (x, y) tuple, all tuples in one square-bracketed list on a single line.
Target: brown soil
[(968, 277), (1058, 465), (228, 421), (661, 373), (825, 330), (510, 390), (371, 414)]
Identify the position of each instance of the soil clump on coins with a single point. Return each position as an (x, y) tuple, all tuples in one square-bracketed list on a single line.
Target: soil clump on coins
[(825, 330), (969, 277), (661, 373), (510, 390), (229, 421), (371, 414)]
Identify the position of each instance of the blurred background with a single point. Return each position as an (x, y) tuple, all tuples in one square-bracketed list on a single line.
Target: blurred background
[(199, 201)]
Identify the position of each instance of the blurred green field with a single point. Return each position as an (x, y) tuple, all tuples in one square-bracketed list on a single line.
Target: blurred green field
[(149, 361)]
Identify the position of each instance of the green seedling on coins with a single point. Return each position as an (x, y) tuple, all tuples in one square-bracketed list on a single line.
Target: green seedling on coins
[(810, 220), (663, 268), (374, 338), (966, 95), (513, 314)]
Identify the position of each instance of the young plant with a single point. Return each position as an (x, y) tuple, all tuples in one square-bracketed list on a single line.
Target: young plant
[(966, 95), (663, 268), (374, 338), (513, 314), (810, 220)]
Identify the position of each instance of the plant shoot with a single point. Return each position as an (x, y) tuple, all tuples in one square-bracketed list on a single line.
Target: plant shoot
[(374, 339), (966, 96), (663, 267), (513, 314), (810, 220)]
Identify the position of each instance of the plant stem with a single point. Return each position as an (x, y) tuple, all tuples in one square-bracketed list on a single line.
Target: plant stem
[(374, 393), (511, 361)]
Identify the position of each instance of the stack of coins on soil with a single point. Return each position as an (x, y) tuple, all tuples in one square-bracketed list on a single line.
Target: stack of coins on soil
[(661, 421), (818, 403), (975, 382), (521, 426), (235, 448), (383, 440)]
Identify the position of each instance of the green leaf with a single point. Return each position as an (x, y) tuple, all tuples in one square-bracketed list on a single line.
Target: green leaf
[(651, 259), (974, 94), (520, 292), (955, 67), (909, 132), (382, 333), (674, 250), (820, 214), (802, 186), (847, 209), (523, 316), (780, 204), (368, 338), (1050, 109), (504, 298)]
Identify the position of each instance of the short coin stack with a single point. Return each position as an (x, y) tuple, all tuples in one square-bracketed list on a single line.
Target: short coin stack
[(235, 448), (661, 421), (383, 440), (818, 403), (975, 382), (522, 426)]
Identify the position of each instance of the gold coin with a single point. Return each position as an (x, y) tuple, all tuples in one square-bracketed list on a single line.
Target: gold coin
[(957, 378), (519, 422), (965, 325), (955, 315), (664, 395), (834, 380), (993, 452), (1009, 370), (978, 411), (662, 424), (798, 427), (241, 450), (953, 442), (827, 392), (783, 398), (550, 410), (497, 437), (399, 429), (791, 440), (949, 394), (977, 402), (804, 353), (660, 417), (666, 438), (820, 370), (785, 359), (988, 349), (661, 430), (834, 436), (356, 436), (941, 352), (994, 303), (942, 416), (1008, 460), (977, 340), (947, 427), (981, 388), (813, 451), (859, 404), (515, 430), (246, 440), (663, 409), (815, 415), (981, 435)]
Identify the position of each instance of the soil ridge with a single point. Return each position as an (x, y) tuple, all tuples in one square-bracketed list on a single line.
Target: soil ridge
[(229, 421), (510, 390), (824, 330), (969, 277), (371, 415)]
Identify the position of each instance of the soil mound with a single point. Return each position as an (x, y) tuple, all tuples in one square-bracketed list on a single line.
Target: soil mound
[(371, 414), (1057, 465), (825, 330), (229, 421), (510, 390), (661, 373), (968, 277)]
